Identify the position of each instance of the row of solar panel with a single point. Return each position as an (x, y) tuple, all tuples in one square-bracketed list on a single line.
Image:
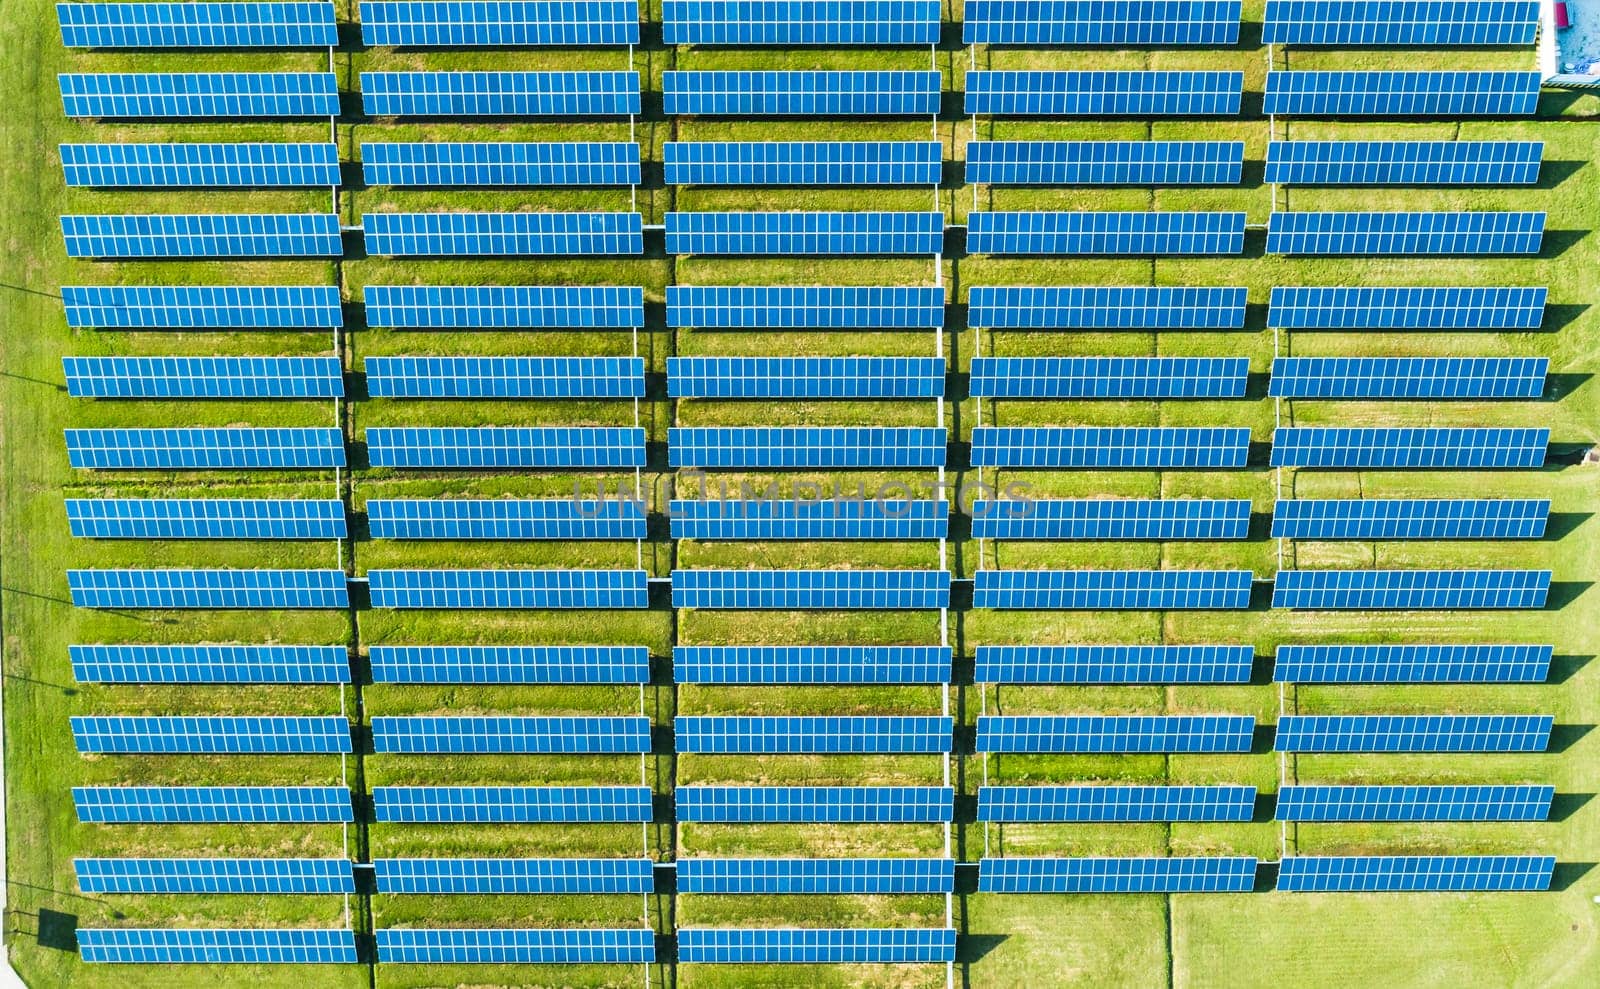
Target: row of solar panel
[(312, 735)]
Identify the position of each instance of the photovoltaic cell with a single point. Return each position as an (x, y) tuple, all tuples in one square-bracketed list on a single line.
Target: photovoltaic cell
[(234, 95), (197, 25), (850, 590), (1334, 590), (1095, 307), (811, 664), (515, 946), (208, 588), (203, 377), (812, 520), (225, 235), (502, 234), (827, 234), (1403, 162), (1103, 94), (1405, 233), (505, 377), (803, 163), (805, 377), (805, 447), (1413, 733), (1403, 518), (193, 307), (504, 518), (1416, 448), (1304, 23), (499, 163), (205, 449), (801, 94), (1120, 25), (790, 876), (563, 876), (211, 735), (762, 307), (815, 804), (532, 448), (513, 24), (1109, 377), (216, 946), (511, 804), (200, 165), (205, 518), (853, 945), (1106, 519), (1113, 664), (1110, 448), (1412, 664), (1105, 162), (1421, 873), (1144, 590), (213, 804), (1409, 377), (812, 735), (1454, 308), (506, 735), (540, 589), (1178, 874), (500, 94), (1115, 734), (1401, 94), (505, 307), (1087, 232), (1115, 804), (510, 664), (209, 664), (794, 23), (1414, 803), (214, 875)]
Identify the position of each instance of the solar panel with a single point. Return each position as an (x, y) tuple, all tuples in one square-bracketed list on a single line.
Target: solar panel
[(1106, 519), (211, 735), (511, 804), (1333, 590), (1413, 733), (214, 875), (209, 664), (1409, 377), (176, 588), (200, 165), (811, 664), (1405, 233), (1401, 94), (1105, 162), (216, 945), (1115, 804), (205, 449), (510, 664), (563, 876), (213, 804), (1115, 734), (1410, 518), (805, 447), (1421, 873), (235, 95), (225, 235), (515, 946), (496, 163), (203, 377), (1094, 307), (505, 24), (800, 22), (850, 590), (815, 804), (505, 307), (1414, 803), (801, 94), (505, 377), (810, 519), (803, 162), (205, 518), (502, 234), (504, 518), (1427, 24), (500, 94), (545, 589), (1121, 25), (1109, 377), (825, 234), (532, 448), (805, 377), (1144, 590), (812, 735), (1412, 664), (1403, 162), (1417, 448), (1111, 448), (1103, 94), (1455, 308), (811, 946), (791, 876), (503, 735), (197, 25), (1083, 232), (189, 307), (793, 307), (1113, 664), (1117, 875)]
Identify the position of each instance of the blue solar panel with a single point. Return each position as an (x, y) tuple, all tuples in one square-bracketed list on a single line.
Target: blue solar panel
[(502, 234), (1414, 803), (505, 377), (205, 518), (1421, 873), (1103, 94), (1407, 518), (1332, 590), (805, 377), (553, 589), (209, 664), (800, 22), (1458, 308), (497, 307), (806, 447), (203, 377), (803, 162), (1409, 377), (811, 946), (213, 804), (214, 875), (815, 804), (208, 588), (564, 876), (812, 735), (533, 448), (1115, 734), (1093, 447), (1120, 25), (1105, 162), (826, 234), (1403, 162), (811, 589), (1413, 664), (790, 876), (515, 946), (1084, 232), (1401, 94), (1144, 590), (1103, 519), (1117, 875), (1113, 664), (216, 946), (1413, 733), (197, 25), (1115, 804), (500, 94), (211, 735), (500, 163), (191, 307), (801, 94), (499, 735), (204, 449), (225, 235), (1109, 377), (770, 307), (810, 520), (1419, 448), (503, 518), (200, 165), (511, 804), (234, 95), (510, 664), (1093, 307), (513, 24), (1428, 24), (1405, 233), (811, 664)]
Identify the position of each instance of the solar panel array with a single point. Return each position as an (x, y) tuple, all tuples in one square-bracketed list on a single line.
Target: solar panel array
[(1115, 733), (1109, 448), (784, 945), (213, 804), (1413, 664), (812, 447), (186, 95), (850, 590), (811, 664), (1113, 664), (201, 165), (805, 377), (540, 589), (1419, 873), (228, 946), (1414, 803), (1105, 162), (503, 518), (1097, 233), (829, 234), (205, 518), (1413, 733), (1409, 377), (511, 804), (1435, 24), (245, 235), (815, 804), (175, 588), (783, 876), (1456, 308), (543, 447), (209, 664), (502, 234), (809, 520), (211, 735), (802, 735), (497, 307), (1401, 94), (800, 22), (214, 875), (198, 25), (1148, 590), (1092, 307), (505, 377), (1117, 875), (1406, 518), (205, 449), (1112, 519), (802, 162), (816, 93), (1331, 590), (1115, 804), (1103, 94), (203, 377), (528, 735), (770, 307), (500, 94), (1110, 377), (510, 664), (500, 163), (1403, 162), (562, 876), (1122, 25), (180, 307), (1405, 233), (517, 23), (1422, 448), (515, 946)]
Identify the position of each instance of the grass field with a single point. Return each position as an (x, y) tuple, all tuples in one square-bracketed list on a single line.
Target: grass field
[(1266, 939)]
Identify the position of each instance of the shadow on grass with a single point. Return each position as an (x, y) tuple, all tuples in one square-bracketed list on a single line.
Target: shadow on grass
[(1565, 874), (1564, 737), (1564, 805), (1565, 667)]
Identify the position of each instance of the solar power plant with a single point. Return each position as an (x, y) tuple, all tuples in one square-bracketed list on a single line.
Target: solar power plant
[(833, 23), (562, 876), (1417, 448), (545, 589), (1115, 734), (214, 875), (500, 94), (504, 518), (806, 447), (1110, 448), (198, 25), (203, 377), (1109, 377), (1094, 307), (1105, 162), (1113, 664), (211, 735), (500, 163), (1430, 24), (1421, 873), (510, 664), (234, 95), (810, 520), (515, 946), (217, 946), (1112, 519), (1401, 94), (1122, 25), (1181, 874), (213, 804), (815, 805), (511, 804), (1414, 803), (817, 93), (502, 234), (1405, 233), (811, 664), (811, 307), (205, 449), (495, 735), (1403, 162), (532, 448), (790, 876), (805, 377), (514, 24), (1084, 232), (848, 590), (718, 735), (505, 307), (812, 946), (1115, 804), (1408, 518), (803, 162), (827, 234), (209, 664), (505, 377), (1112, 590), (192, 307), (217, 235), (1412, 664), (1399, 590), (205, 518), (208, 588), (1456, 308), (1103, 94), (200, 165), (1413, 733), (1409, 377)]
